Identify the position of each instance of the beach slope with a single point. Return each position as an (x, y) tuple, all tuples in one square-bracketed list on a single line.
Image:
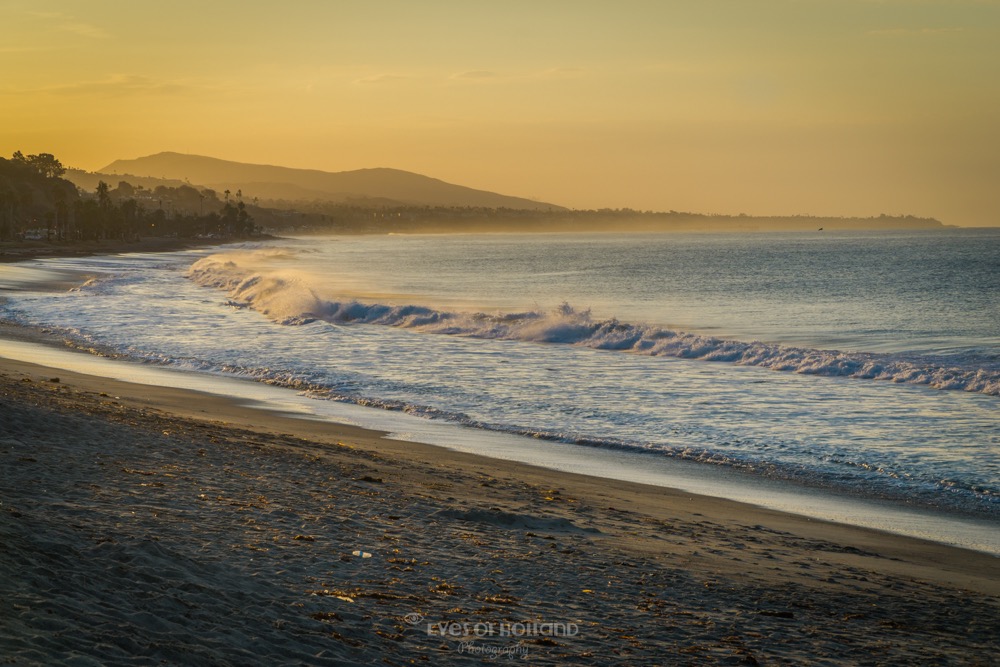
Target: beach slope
[(141, 525)]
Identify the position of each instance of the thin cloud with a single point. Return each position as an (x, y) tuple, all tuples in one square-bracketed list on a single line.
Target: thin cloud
[(489, 76), (84, 30), (119, 84), (23, 49), (471, 77), (382, 79), (560, 72), (476, 75), (914, 32), (70, 24)]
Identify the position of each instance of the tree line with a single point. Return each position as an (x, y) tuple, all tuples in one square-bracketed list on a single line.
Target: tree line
[(36, 203), (364, 217)]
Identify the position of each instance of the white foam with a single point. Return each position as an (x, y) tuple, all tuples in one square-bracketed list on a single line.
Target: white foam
[(970, 533), (289, 297)]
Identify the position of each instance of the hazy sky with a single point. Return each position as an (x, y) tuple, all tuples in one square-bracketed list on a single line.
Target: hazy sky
[(843, 107)]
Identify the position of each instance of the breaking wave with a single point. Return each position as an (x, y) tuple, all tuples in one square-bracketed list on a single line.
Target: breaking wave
[(291, 298)]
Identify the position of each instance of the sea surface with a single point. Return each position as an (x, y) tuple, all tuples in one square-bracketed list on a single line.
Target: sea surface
[(864, 364)]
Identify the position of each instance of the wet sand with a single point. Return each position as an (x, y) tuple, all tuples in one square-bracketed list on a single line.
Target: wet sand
[(143, 525)]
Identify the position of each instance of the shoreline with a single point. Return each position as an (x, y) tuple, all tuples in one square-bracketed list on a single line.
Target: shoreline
[(454, 537), (197, 405), (966, 530), (813, 503), (23, 251)]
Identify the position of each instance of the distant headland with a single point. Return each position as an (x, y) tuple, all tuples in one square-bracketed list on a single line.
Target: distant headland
[(194, 197)]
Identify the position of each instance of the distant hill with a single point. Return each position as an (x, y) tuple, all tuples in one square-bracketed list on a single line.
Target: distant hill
[(380, 187), (87, 181)]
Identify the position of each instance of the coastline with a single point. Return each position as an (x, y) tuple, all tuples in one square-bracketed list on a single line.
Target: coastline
[(815, 502), (644, 572), (23, 251)]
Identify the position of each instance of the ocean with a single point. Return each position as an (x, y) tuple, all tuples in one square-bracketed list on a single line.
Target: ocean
[(847, 365)]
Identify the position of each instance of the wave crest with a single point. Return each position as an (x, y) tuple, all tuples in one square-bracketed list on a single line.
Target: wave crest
[(288, 297)]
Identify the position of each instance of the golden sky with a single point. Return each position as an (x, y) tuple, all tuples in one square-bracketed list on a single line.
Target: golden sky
[(839, 107)]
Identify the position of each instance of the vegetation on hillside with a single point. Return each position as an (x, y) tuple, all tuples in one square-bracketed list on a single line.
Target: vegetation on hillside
[(32, 194), (37, 203)]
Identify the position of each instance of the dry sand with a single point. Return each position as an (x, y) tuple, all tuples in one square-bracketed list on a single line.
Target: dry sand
[(141, 526)]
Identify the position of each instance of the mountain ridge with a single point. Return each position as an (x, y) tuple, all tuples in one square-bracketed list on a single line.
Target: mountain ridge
[(273, 182)]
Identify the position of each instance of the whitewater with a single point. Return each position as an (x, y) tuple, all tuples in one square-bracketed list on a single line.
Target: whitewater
[(864, 364), (288, 298)]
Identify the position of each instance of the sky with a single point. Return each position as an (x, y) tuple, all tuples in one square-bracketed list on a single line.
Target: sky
[(764, 107)]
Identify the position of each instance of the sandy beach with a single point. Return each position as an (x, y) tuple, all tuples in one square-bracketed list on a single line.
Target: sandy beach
[(142, 525)]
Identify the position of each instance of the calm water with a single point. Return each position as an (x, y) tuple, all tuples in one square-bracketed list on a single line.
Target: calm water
[(866, 363)]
